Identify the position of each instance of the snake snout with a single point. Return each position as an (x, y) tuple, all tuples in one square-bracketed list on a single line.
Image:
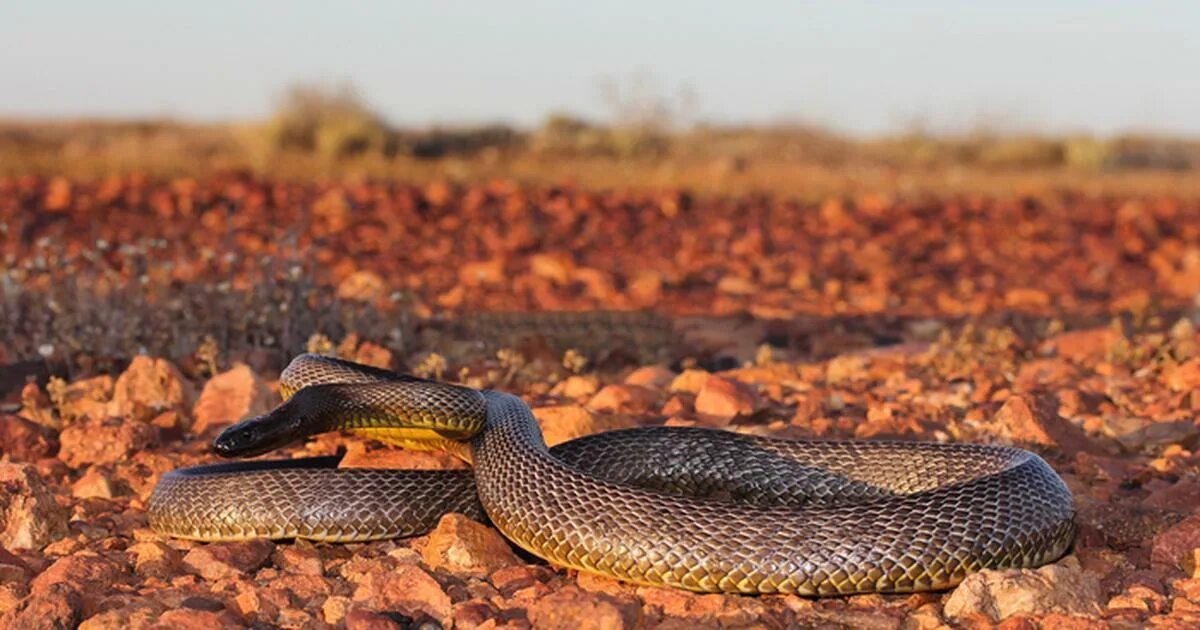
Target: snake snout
[(255, 436)]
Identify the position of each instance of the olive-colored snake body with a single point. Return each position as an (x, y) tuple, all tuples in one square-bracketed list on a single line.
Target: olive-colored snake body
[(698, 509)]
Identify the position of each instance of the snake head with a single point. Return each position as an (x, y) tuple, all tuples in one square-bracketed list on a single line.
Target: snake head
[(257, 435)]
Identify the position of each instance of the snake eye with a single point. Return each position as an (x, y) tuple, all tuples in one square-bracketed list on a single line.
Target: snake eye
[(245, 438), (259, 435)]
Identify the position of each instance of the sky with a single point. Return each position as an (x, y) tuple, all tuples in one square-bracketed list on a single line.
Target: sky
[(863, 68)]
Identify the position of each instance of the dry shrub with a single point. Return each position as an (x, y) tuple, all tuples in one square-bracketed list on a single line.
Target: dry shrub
[(333, 122)]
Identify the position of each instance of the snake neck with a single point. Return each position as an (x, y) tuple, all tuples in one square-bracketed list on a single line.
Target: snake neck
[(509, 431)]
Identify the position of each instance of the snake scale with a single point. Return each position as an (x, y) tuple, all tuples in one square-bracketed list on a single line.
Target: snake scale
[(698, 509)]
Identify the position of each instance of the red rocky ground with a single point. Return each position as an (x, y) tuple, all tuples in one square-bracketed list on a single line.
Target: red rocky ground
[(1060, 322)]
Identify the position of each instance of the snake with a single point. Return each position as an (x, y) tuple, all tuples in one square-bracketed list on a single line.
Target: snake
[(693, 508)]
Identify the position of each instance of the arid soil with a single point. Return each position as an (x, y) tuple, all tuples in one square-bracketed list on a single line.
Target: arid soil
[(140, 317)]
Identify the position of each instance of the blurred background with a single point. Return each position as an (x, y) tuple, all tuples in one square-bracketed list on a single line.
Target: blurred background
[(249, 176), (1080, 85)]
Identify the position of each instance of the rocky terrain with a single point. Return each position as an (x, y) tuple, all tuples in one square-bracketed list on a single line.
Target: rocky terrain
[(138, 318)]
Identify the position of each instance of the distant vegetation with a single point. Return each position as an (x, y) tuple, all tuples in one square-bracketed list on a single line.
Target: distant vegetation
[(319, 125)]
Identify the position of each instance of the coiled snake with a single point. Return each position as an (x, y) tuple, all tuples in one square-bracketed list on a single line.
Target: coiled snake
[(698, 509)]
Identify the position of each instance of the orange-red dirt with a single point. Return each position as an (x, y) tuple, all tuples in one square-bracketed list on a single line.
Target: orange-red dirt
[(140, 317)]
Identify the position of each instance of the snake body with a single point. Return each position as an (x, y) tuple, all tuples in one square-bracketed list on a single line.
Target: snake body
[(692, 508)]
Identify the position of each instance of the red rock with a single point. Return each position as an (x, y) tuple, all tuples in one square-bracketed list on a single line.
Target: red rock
[(846, 368), (35, 406), (563, 423), (231, 396), (1183, 496), (570, 608), (92, 485), (925, 617), (654, 377), (554, 267), (677, 603), (1072, 622), (407, 589), (1083, 346), (1173, 548), (489, 272), (453, 298), (1034, 420), (1189, 588), (104, 441), (300, 558), (13, 569), (677, 406), (602, 584), (510, 579), (25, 441), (251, 605), (576, 387), (359, 619), (721, 400), (1139, 598), (874, 617), (645, 288), (1063, 587), (1156, 435), (474, 613), (305, 588), (216, 561), (58, 195), (191, 619), (154, 559), (87, 573), (1184, 377), (148, 387), (361, 286), (136, 615), (460, 545), (598, 283), (1120, 526), (358, 569), (293, 617), (56, 606), (1026, 298), (335, 608), (628, 398), (195, 602), (170, 420), (736, 285), (882, 421), (373, 355), (689, 382), (1043, 373), (87, 398), (531, 593), (142, 470), (12, 597), (359, 456), (30, 518)]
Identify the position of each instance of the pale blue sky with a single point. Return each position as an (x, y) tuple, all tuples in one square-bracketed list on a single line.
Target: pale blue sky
[(1102, 67)]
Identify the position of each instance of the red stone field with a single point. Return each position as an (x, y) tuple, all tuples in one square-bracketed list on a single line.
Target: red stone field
[(141, 315)]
